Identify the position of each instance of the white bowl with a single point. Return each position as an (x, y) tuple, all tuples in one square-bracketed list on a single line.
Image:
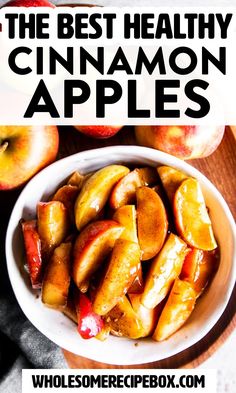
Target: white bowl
[(116, 350)]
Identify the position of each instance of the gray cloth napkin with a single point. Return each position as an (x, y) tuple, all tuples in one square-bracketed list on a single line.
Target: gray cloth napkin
[(36, 348), (22, 345)]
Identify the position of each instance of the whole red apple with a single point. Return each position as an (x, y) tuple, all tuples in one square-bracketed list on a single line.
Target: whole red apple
[(185, 142), (24, 150), (99, 132), (29, 3)]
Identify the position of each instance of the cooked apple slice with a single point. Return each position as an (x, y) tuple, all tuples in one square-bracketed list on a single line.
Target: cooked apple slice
[(95, 193), (163, 271), (137, 285), (124, 192), (152, 222), (199, 267), (123, 321), (147, 316), (75, 179), (53, 225), (126, 216), (190, 265), (67, 195), (92, 246), (33, 252), (78, 180), (89, 323), (122, 269), (56, 280), (191, 217), (206, 269), (171, 179), (148, 176), (177, 310), (104, 332)]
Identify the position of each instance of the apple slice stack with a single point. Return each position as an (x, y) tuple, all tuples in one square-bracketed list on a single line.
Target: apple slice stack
[(123, 251)]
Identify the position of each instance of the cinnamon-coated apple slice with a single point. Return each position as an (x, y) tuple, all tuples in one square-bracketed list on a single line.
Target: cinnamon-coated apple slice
[(191, 217), (121, 271), (126, 216), (32, 244), (152, 222), (89, 323), (104, 332), (53, 225), (123, 321), (92, 246), (137, 285), (199, 267), (190, 265), (171, 179), (95, 193), (67, 195), (147, 316), (177, 310), (77, 179), (124, 192), (56, 280), (165, 267)]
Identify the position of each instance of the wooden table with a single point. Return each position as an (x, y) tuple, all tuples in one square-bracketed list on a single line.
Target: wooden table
[(220, 169)]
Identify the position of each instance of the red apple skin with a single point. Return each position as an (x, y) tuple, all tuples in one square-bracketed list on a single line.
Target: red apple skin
[(185, 142), (33, 252), (29, 3), (24, 150), (99, 132), (89, 323)]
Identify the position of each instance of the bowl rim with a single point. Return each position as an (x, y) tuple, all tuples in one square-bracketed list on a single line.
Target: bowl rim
[(140, 152)]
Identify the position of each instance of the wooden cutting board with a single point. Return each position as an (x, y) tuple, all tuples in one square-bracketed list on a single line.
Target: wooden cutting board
[(220, 168)]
